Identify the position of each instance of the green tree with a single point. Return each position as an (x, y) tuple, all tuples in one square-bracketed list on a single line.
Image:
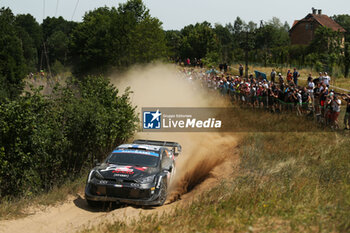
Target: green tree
[(51, 25), (173, 42), (327, 44), (238, 26), (237, 32), (270, 35), (326, 41), (56, 36), (134, 10), (31, 26), (198, 41), (243, 38), (93, 41), (29, 31), (344, 21), (110, 37), (346, 59), (226, 41), (147, 41), (29, 50), (145, 36), (297, 55), (12, 62), (57, 46)]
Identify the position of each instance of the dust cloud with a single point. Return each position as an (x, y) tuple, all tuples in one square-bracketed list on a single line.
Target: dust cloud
[(164, 86), (161, 85)]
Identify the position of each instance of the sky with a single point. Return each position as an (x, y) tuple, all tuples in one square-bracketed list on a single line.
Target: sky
[(175, 14)]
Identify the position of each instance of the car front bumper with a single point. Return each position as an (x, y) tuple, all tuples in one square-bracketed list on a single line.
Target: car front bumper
[(147, 194)]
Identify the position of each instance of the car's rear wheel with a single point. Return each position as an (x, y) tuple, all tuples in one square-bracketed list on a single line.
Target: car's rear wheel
[(163, 192)]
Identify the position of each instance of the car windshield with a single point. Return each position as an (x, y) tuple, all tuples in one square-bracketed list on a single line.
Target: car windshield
[(134, 158)]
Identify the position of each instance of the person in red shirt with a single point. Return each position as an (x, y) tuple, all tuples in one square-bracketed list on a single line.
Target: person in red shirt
[(289, 76), (188, 62)]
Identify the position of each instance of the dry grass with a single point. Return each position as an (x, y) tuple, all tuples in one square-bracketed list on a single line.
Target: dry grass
[(16, 208), (342, 82)]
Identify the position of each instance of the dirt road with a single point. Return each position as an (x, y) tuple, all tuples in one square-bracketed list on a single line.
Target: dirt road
[(206, 159)]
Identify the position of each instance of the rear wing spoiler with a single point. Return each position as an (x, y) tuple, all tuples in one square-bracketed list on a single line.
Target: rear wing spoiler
[(176, 147)]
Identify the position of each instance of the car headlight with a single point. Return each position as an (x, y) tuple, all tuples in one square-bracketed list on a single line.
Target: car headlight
[(95, 174), (145, 180)]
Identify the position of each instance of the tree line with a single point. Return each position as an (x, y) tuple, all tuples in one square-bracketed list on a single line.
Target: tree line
[(267, 44), (126, 35), (107, 37)]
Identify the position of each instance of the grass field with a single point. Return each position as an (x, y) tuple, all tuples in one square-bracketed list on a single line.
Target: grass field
[(287, 182)]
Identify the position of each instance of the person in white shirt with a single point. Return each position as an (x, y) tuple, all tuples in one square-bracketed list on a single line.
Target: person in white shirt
[(326, 79), (310, 85), (335, 104), (323, 88), (310, 89), (265, 84), (299, 102), (320, 78)]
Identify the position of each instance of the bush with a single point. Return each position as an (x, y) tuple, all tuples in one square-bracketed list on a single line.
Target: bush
[(58, 68), (46, 139), (211, 59)]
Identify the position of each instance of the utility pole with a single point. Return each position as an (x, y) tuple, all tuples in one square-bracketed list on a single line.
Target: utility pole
[(246, 53), (44, 52), (47, 61)]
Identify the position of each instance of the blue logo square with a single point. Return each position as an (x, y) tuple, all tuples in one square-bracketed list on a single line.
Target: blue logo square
[(152, 120)]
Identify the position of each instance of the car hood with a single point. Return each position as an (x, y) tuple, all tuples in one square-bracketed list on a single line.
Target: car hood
[(128, 172)]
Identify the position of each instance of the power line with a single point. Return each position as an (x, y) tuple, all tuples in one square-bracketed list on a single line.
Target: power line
[(76, 6), (56, 7), (44, 10)]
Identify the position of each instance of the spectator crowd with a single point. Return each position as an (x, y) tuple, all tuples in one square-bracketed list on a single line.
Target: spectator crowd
[(279, 94)]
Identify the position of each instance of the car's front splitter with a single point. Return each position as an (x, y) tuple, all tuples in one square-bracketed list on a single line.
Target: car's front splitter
[(151, 201)]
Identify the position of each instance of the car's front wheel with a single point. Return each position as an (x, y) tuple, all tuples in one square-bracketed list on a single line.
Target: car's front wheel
[(163, 192)]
